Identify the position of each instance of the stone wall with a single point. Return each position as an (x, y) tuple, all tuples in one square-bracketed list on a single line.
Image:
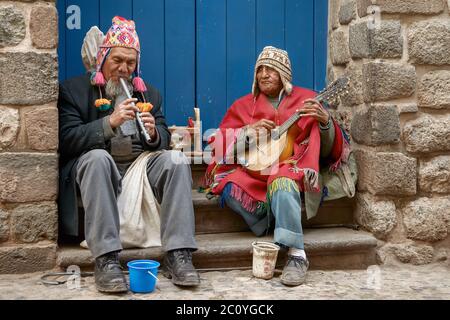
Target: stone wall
[(398, 113), (28, 135)]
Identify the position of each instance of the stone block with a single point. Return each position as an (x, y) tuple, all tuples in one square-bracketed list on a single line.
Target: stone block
[(32, 223), (429, 42), (379, 217), (378, 125), (12, 26), (434, 90), (27, 259), (353, 96), (410, 6), (44, 27), (414, 254), (42, 128), (334, 13), (347, 11), (427, 219), (441, 254), (383, 42), (380, 77), (28, 78), (427, 134), (362, 6), (4, 225), (434, 175), (407, 108), (28, 177), (9, 127), (386, 173), (339, 51)]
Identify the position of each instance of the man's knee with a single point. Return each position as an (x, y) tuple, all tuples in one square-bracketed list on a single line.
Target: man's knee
[(173, 158), (283, 187), (97, 159)]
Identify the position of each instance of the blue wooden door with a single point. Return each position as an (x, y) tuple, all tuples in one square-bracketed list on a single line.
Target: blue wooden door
[(202, 52)]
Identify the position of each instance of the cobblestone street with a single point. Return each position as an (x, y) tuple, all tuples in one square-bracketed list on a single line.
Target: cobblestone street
[(400, 282)]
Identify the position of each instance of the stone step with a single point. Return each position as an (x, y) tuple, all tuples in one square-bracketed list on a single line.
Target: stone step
[(329, 248), (210, 218), (198, 174)]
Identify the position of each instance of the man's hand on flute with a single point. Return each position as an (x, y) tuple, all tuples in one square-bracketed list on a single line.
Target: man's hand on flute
[(124, 112)]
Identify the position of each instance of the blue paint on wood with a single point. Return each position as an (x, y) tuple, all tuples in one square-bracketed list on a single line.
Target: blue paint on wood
[(179, 60), (270, 24), (112, 8), (241, 48), (321, 41), (300, 41), (211, 61), (89, 10), (149, 19)]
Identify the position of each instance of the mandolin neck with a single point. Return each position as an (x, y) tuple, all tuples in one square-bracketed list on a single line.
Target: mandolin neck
[(296, 116)]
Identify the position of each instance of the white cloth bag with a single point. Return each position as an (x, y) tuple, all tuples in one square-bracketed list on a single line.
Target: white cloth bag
[(138, 210)]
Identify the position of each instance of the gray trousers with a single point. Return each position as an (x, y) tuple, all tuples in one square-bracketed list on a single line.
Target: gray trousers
[(170, 177)]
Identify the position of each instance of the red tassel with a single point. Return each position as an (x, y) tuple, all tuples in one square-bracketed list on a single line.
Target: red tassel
[(99, 79), (139, 84)]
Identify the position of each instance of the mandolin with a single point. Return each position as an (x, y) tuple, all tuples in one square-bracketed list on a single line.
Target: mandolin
[(279, 145)]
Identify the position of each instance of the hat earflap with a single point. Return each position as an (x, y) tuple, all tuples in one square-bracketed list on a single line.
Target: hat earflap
[(97, 77)]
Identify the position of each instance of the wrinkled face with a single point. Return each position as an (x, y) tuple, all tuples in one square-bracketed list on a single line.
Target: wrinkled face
[(120, 63), (269, 81)]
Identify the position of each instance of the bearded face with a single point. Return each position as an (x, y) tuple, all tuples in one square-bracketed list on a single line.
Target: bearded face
[(114, 89)]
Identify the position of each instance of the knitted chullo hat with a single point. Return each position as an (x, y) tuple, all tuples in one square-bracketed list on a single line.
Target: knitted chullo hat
[(121, 34), (279, 60)]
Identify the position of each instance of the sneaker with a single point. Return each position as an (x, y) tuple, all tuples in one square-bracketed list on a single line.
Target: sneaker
[(109, 277), (294, 272), (178, 266)]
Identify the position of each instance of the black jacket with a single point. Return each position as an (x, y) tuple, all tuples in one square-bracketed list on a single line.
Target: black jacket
[(81, 130)]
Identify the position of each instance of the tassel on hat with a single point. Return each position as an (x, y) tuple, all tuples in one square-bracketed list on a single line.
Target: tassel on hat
[(139, 84), (98, 79)]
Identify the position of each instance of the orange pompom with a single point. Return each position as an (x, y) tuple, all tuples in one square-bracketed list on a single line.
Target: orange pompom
[(144, 106), (101, 102)]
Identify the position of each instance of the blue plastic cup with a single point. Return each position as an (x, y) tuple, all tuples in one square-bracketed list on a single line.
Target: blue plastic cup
[(143, 275)]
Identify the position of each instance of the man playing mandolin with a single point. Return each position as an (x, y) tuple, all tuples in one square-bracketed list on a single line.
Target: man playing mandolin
[(312, 142)]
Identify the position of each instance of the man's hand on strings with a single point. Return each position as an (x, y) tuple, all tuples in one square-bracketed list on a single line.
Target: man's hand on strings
[(314, 109)]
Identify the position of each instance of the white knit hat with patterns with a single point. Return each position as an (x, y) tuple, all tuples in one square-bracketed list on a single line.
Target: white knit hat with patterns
[(279, 60)]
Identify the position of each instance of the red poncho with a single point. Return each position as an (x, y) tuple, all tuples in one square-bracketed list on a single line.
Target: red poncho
[(303, 166)]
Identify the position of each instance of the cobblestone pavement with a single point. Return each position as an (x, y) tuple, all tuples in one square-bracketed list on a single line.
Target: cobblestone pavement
[(400, 282)]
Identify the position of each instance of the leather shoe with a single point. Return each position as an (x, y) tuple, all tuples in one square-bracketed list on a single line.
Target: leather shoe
[(178, 267), (108, 274), (294, 272)]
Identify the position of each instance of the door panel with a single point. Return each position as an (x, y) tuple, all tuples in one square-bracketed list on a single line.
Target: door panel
[(151, 15), (211, 61), (179, 60), (241, 48)]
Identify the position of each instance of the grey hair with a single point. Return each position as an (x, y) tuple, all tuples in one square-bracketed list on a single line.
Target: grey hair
[(114, 89)]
